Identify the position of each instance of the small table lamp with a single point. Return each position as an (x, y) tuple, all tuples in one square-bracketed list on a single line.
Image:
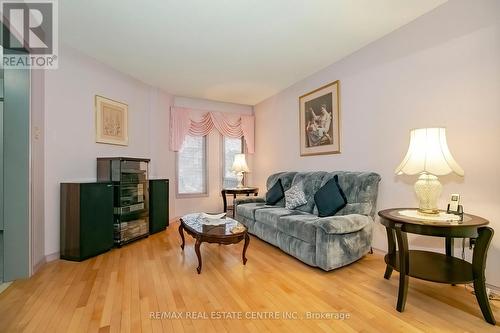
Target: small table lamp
[(429, 156), (239, 167)]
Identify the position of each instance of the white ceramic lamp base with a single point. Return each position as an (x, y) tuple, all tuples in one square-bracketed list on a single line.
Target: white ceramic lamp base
[(428, 189), (239, 177)]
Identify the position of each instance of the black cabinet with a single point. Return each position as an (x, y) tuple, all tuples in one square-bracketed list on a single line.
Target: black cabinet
[(86, 219), (129, 177), (158, 205)]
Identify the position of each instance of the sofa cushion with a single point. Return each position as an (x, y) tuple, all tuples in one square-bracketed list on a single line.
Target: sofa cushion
[(271, 216), (295, 197), (312, 182), (302, 227), (275, 193), (330, 198), (265, 232), (286, 180), (248, 210)]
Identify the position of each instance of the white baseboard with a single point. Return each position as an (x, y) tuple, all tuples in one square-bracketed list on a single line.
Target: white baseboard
[(52, 256), (44, 260), (39, 265), (379, 251), (4, 286), (492, 287)]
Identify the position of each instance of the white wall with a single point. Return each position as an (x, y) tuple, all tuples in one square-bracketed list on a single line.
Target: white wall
[(70, 147), (212, 202), (442, 69), (162, 159)]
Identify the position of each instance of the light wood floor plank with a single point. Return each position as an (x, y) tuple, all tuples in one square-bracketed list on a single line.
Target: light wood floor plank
[(117, 292)]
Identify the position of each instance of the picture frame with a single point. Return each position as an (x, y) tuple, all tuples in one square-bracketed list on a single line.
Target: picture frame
[(111, 121), (319, 121)]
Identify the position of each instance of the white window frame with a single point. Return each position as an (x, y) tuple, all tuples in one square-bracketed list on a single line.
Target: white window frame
[(223, 159), (193, 195)]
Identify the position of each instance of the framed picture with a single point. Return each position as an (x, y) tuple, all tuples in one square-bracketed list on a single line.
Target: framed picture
[(111, 121), (319, 121)]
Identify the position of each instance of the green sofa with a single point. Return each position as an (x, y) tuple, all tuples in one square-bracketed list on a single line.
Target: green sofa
[(328, 242)]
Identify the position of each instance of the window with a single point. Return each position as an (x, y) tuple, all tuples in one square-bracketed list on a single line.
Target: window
[(192, 166), (230, 147)]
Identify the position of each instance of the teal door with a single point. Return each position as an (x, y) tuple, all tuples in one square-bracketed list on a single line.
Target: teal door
[(1, 176), (14, 189)]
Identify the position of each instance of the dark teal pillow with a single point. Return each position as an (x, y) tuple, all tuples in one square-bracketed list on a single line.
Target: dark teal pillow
[(275, 193), (330, 198)]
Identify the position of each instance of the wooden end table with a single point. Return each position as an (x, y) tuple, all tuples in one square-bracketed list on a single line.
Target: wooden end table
[(237, 191), (221, 234), (432, 266)]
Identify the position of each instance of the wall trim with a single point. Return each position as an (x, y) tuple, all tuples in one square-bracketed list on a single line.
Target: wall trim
[(52, 257), (38, 265), (47, 258)]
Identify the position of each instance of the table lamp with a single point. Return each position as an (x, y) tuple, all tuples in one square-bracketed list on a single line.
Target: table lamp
[(428, 155), (239, 167)]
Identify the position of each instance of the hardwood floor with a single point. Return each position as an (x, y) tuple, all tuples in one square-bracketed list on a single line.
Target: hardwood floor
[(117, 291)]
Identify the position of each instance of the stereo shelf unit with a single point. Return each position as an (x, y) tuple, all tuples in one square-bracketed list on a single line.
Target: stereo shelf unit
[(130, 180)]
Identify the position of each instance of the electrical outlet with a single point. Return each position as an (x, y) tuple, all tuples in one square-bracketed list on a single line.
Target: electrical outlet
[(472, 242)]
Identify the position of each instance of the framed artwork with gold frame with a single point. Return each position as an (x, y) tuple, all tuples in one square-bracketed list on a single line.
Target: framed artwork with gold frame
[(319, 121), (111, 121)]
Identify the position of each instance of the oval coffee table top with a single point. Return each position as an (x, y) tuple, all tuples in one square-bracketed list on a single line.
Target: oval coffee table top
[(194, 223)]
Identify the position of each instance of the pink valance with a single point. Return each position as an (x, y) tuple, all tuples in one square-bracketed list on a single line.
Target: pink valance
[(181, 124)]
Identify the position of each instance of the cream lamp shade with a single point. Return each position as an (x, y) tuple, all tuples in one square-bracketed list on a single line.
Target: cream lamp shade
[(428, 152), (240, 164), (428, 155), (239, 167)]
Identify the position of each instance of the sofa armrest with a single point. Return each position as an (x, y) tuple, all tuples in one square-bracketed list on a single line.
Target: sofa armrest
[(244, 200), (343, 224)]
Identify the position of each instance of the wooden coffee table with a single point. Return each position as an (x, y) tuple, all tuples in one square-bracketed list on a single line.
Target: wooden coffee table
[(221, 234)]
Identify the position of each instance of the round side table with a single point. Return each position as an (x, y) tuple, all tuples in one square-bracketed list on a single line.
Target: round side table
[(432, 266), (237, 191)]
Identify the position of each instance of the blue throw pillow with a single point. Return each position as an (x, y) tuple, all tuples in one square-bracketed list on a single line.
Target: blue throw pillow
[(330, 198), (275, 193)]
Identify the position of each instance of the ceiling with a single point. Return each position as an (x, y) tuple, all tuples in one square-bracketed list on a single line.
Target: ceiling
[(239, 51)]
